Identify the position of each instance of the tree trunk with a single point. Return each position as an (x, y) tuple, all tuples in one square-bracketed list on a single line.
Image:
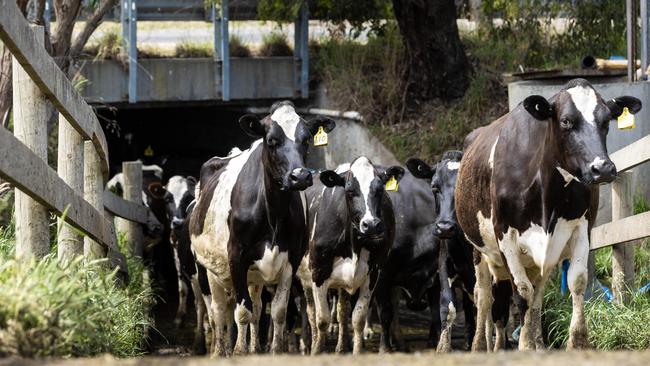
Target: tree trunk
[(66, 12), (438, 66)]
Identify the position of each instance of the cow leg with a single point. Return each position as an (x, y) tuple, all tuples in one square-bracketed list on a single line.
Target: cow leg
[(244, 304), (305, 334), (395, 328), (501, 312), (359, 315), (433, 297), (256, 295), (385, 313), (311, 318), (447, 307), (199, 304), (484, 299), (322, 317), (219, 314), (536, 313), (577, 278), (279, 309), (334, 324), (368, 332), (343, 314), (182, 290), (470, 318)]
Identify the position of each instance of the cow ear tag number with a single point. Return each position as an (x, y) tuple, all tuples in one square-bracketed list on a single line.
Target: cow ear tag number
[(626, 120), (320, 138), (391, 185)]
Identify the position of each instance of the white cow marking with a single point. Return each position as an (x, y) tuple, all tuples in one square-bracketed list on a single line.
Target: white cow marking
[(491, 159), (453, 165), (364, 172), (271, 264), (350, 273), (177, 186), (287, 119), (597, 161), (584, 98), (568, 177)]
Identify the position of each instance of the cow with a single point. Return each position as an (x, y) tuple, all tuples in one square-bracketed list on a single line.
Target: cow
[(352, 230), (249, 225), (412, 264), (527, 197), (455, 260)]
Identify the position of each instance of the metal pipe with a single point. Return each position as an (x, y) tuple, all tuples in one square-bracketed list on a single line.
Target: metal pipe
[(631, 39), (225, 52), (643, 9)]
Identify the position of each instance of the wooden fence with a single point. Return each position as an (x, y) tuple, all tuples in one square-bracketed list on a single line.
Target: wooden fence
[(75, 192), (625, 226)]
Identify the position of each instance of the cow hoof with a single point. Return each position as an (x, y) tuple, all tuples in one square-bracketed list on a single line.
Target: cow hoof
[(578, 341), (254, 348)]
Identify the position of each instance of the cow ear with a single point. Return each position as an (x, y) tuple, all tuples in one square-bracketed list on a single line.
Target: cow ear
[(191, 179), (617, 104), (538, 107), (420, 169), (393, 171), (331, 179), (313, 124), (252, 125), (157, 190)]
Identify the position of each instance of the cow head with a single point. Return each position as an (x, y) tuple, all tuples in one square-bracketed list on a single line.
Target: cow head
[(286, 138), (579, 121), (364, 192), (443, 184), (179, 193)]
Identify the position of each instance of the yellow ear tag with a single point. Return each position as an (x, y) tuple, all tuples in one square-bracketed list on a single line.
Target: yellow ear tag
[(320, 138), (391, 185), (626, 120), (148, 151)]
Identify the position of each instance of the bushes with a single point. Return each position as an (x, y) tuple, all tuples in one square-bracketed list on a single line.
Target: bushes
[(50, 309), (275, 44)]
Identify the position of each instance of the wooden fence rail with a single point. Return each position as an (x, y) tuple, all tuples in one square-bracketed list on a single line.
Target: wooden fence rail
[(625, 226), (76, 193)]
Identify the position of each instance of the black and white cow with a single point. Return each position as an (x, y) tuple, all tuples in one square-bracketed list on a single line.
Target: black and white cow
[(455, 261), (248, 228), (352, 230), (527, 196), (412, 264)]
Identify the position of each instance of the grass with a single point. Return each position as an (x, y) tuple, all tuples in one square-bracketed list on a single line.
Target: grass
[(275, 44), (77, 309), (190, 49)]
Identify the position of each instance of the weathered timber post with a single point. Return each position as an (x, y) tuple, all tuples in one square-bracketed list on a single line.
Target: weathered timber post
[(30, 127), (70, 169), (93, 193), (622, 254), (132, 171)]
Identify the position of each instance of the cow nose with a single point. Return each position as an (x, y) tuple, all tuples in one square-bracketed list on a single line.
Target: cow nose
[(371, 226), (603, 171), (177, 222), (299, 179), (445, 229)]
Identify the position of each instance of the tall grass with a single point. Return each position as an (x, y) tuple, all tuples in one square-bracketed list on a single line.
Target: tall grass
[(75, 309), (275, 44)]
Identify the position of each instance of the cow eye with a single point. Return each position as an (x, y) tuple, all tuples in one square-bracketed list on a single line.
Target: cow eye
[(566, 124), (272, 142)]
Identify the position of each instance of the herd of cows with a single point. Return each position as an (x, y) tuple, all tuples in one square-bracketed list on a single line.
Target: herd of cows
[(475, 231)]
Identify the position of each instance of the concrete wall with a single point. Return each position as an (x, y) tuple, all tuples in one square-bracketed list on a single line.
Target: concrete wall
[(188, 80), (616, 139)]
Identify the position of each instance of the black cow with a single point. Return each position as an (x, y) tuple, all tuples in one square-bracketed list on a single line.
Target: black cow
[(455, 261), (527, 196), (412, 263), (353, 227), (248, 228)]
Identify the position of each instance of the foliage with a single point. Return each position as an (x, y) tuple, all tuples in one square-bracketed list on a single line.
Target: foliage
[(359, 14), (238, 47), (76, 309), (275, 44), (191, 49), (610, 326)]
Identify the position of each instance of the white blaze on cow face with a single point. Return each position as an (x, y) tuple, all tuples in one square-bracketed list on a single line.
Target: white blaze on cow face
[(177, 186), (453, 165), (585, 100), (364, 172), (287, 118)]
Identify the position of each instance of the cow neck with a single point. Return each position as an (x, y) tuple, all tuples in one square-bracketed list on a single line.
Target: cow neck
[(276, 201)]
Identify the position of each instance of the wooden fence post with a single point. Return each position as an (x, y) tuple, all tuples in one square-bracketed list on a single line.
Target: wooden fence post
[(132, 189), (30, 127), (69, 166), (622, 254), (93, 193)]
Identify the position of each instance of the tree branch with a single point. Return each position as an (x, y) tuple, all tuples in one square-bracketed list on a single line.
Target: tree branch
[(91, 24)]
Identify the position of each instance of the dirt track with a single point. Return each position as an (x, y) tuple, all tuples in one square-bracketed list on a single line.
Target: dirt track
[(554, 358)]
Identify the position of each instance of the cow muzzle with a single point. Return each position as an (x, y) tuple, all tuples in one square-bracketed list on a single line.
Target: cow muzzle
[(371, 227), (445, 229), (601, 171), (298, 179), (177, 223)]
